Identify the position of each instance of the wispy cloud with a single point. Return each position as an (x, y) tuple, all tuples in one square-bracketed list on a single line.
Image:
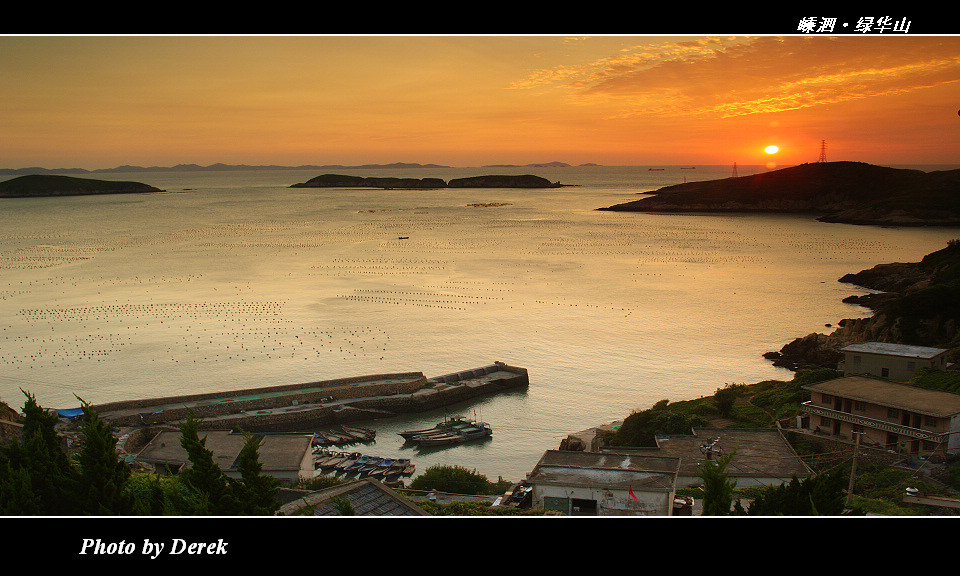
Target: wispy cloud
[(724, 77)]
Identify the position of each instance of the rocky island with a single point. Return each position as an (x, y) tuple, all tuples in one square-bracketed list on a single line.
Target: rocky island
[(848, 192), (40, 185), (491, 181)]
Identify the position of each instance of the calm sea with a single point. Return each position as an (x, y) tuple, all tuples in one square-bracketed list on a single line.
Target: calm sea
[(233, 280)]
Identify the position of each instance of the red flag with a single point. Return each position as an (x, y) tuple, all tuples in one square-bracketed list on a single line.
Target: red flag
[(632, 495)]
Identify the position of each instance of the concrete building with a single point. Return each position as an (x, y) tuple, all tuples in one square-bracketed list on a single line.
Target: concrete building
[(761, 456), (283, 456), (604, 483), (889, 415), (897, 362)]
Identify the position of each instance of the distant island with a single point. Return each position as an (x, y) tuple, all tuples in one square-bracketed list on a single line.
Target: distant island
[(219, 167), (490, 181), (40, 185), (848, 192)]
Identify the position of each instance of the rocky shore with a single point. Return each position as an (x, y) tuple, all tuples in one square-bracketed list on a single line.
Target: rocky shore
[(918, 303)]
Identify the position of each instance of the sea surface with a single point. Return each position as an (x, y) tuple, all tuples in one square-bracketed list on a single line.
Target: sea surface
[(233, 280)]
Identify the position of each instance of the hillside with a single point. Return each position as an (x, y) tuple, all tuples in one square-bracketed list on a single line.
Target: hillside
[(849, 192), (920, 305), (39, 185)]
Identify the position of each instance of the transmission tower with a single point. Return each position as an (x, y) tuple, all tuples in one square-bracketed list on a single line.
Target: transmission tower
[(823, 151), (734, 175)]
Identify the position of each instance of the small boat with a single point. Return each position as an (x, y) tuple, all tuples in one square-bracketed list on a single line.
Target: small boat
[(403, 238), (349, 461), (474, 432), (332, 462), (441, 428), (360, 434), (372, 464)]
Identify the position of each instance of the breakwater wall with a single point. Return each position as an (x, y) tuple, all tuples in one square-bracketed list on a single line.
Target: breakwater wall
[(303, 407)]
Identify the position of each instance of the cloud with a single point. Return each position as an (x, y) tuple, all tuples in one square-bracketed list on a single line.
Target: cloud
[(724, 77)]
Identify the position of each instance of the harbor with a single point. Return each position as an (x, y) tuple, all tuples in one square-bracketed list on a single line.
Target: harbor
[(308, 407)]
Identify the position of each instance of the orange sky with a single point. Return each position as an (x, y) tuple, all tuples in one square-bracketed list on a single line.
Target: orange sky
[(99, 102)]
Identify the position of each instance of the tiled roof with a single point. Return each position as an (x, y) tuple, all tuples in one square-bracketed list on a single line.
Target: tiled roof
[(367, 497)]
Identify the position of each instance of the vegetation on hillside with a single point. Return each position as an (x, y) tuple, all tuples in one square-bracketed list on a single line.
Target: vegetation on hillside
[(37, 477)]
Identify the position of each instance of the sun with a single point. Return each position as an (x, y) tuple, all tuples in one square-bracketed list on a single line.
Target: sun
[(771, 149)]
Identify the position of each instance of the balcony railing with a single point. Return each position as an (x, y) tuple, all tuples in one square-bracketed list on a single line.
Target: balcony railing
[(899, 429)]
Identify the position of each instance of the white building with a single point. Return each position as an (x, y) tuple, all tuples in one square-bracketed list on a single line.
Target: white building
[(604, 483)]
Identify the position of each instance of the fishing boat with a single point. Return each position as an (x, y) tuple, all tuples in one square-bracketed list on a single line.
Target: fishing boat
[(357, 464), (459, 435), (372, 464), (441, 428), (332, 462), (347, 463)]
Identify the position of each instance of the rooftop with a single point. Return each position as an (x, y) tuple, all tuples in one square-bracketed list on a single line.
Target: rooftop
[(277, 451), (889, 349), (760, 452), (367, 497), (878, 391), (614, 470)]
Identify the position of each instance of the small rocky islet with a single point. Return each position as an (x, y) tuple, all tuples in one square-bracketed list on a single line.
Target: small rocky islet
[(40, 185)]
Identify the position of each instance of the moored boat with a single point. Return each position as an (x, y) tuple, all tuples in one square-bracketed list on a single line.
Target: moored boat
[(475, 431), (443, 427)]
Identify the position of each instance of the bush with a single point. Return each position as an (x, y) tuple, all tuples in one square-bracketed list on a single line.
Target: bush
[(456, 480)]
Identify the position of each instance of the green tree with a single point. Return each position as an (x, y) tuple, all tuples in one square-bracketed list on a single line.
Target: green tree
[(820, 495), (455, 479), (726, 397), (717, 489), (256, 492), (641, 428), (102, 486), (203, 475), (38, 477)]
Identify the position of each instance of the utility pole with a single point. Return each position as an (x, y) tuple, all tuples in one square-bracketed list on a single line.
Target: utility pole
[(853, 468)]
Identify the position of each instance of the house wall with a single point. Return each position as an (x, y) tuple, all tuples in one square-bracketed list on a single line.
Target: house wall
[(609, 502), (875, 433), (897, 368)]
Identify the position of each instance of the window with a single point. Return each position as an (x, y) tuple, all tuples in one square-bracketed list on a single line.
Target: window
[(860, 406), (930, 421), (856, 361), (826, 399), (885, 372), (892, 413), (911, 366)]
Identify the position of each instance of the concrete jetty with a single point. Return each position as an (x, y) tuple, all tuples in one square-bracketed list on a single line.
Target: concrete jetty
[(303, 407)]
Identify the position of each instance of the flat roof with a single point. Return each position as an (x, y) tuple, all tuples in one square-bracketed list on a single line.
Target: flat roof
[(614, 470), (277, 451), (889, 349), (894, 394), (760, 452)]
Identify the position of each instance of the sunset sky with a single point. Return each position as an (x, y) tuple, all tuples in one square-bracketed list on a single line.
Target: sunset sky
[(103, 101)]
